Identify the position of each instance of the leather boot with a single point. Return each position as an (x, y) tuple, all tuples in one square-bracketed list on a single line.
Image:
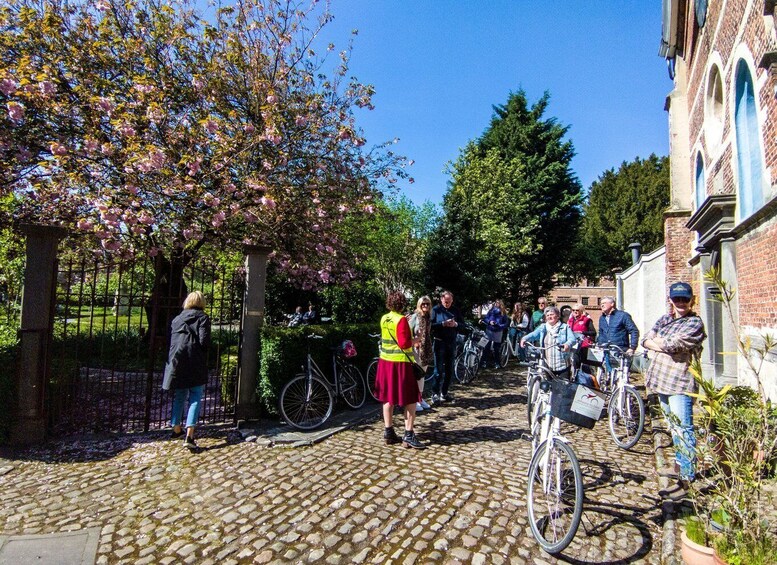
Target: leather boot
[(409, 440), (390, 436)]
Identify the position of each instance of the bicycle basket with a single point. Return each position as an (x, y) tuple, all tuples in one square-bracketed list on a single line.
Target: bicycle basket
[(575, 403), (347, 349)]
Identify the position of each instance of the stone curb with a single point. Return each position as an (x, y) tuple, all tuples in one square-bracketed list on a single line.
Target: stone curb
[(668, 514), (287, 436)]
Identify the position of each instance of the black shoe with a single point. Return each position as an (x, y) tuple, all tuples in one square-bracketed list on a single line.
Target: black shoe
[(409, 440), (447, 397), (177, 435), (190, 444), (390, 436)]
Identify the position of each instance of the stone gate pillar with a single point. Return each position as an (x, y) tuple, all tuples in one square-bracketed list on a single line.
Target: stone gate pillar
[(37, 323), (253, 317)]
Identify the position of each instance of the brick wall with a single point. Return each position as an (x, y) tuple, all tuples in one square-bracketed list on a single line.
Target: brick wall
[(757, 277), (679, 241)]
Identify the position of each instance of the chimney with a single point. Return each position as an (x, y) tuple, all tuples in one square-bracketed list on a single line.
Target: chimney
[(636, 252)]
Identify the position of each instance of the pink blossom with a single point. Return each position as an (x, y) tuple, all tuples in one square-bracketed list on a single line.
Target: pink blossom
[(146, 218), (370, 209), (269, 202), (218, 219), (91, 145), (188, 233), (103, 5), (301, 120), (153, 252), (107, 149), (15, 111), (194, 166), (127, 130), (46, 88), (211, 126), (342, 208), (315, 227), (198, 83), (8, 86), (106, 105), (138, 229), (132, 189), (110, 244), (249, 128), (250, 217), (344, 134), (58, 149), (85, 225), (271, 99), (144, 88)]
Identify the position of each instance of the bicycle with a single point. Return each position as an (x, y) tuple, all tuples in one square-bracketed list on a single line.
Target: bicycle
[(534, 374), (306, 401), (509, 347), (626, 409), (467, 363), (372, 369), (555, 484)]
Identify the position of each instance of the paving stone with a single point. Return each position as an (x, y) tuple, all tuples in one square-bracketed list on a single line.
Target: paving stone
[(348, 498)]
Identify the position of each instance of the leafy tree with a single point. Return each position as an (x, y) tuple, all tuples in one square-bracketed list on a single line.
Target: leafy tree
[(156, 130), (623, 207), (512, 210)]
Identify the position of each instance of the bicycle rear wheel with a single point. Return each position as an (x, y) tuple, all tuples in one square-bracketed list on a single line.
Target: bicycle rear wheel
[(626, 415), (372, 373), (555, 495), (306, 402), (352, 386), (467, 366)]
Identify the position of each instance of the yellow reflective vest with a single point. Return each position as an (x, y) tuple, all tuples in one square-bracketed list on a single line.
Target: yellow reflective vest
[(389, 348)]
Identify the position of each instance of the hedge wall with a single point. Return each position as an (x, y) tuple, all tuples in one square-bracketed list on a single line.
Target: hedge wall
[(9, 345), (282, 355)]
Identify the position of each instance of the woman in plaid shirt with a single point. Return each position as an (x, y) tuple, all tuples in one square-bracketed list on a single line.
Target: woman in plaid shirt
[(673, 342)]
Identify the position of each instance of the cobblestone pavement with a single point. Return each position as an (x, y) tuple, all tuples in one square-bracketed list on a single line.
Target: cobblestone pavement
[(347, 499)]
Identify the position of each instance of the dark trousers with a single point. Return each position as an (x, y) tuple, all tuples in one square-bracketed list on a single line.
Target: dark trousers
[(444, 356)]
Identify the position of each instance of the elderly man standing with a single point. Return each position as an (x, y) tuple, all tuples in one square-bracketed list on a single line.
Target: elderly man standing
[(616, 327), (446, 321)]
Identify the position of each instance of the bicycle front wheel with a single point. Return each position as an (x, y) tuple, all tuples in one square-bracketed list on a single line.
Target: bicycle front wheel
[(532, 392), (626, 415), (466, 367), (372, 374), (504, 354), (306, 402), (555, 495), (352, 386)]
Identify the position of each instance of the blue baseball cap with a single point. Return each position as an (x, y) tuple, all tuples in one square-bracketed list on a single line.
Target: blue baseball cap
[(681, 290)]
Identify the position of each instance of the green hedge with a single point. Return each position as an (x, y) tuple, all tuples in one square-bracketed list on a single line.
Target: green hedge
[(9, 346), (282, 355)]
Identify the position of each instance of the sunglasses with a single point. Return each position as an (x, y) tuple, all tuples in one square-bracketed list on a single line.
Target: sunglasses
[(425, 305), (680, 299)]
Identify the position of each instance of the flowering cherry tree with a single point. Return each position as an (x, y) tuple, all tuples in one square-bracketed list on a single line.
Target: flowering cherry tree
[(157, 129)]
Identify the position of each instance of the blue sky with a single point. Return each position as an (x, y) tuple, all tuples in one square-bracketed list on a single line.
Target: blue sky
[(438, 66)]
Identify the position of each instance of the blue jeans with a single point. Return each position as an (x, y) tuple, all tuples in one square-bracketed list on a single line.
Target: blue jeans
[(678, 409), (179, 398), (444, 357)]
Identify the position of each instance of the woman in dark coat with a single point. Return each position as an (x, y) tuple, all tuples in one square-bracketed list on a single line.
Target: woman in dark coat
[(186, 371)]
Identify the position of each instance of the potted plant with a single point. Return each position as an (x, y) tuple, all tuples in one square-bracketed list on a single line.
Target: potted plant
[(738, 454)]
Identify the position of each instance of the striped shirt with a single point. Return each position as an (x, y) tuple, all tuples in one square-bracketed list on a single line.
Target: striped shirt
[(557, 360), (668, 371)]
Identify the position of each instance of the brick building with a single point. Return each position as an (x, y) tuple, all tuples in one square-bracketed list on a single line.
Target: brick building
[(723, 152), (587, 294)]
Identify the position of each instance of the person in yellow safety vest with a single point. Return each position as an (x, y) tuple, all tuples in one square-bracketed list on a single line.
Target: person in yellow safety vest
[(395, 382)]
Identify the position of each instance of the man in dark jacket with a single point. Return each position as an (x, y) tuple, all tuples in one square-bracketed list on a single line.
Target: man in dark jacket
[(446, 322), (186, 371), (617, 327)]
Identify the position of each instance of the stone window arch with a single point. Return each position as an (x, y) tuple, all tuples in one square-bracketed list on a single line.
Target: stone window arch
[(713, 107)]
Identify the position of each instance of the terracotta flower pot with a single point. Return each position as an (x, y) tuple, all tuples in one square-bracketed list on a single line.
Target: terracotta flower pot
[(719, 560), (695, 554)]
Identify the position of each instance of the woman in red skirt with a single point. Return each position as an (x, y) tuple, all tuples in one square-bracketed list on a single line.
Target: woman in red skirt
[(395, 383)]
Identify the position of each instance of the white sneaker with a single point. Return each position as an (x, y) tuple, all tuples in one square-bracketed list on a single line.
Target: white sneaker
[(419, 407), (425, 404), (435, 399)]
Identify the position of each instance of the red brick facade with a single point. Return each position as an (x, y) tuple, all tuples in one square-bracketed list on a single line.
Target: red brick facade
[(743, 244)]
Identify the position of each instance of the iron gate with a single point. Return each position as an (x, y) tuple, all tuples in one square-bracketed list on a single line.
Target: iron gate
[(111, 335)]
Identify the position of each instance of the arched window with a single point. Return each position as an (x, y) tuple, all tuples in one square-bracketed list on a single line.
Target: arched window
[(701, 185), (748, 138)]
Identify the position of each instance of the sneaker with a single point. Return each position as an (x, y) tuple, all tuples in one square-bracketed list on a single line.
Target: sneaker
[(419, 407), (425, 404), (177, 435), (190, 444), (410, 441), (446, 397), (436, 399), (390, 436)]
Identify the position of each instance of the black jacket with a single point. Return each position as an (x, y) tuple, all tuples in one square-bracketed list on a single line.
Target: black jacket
[(439, 315), (189, 342)]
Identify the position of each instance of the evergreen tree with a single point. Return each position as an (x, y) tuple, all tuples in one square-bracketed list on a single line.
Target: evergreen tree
[(512, 210), (623, 207)]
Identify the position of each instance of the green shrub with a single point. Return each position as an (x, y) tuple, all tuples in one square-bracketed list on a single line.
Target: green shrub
[(282, 355), (9, 346)]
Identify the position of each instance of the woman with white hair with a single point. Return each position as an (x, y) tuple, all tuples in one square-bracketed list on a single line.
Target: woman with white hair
[(551, 333)]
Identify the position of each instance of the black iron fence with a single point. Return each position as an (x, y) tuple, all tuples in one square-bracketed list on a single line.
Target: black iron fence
[(111, 336)]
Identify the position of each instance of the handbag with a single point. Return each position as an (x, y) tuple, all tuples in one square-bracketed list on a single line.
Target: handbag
[(419, 372)]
